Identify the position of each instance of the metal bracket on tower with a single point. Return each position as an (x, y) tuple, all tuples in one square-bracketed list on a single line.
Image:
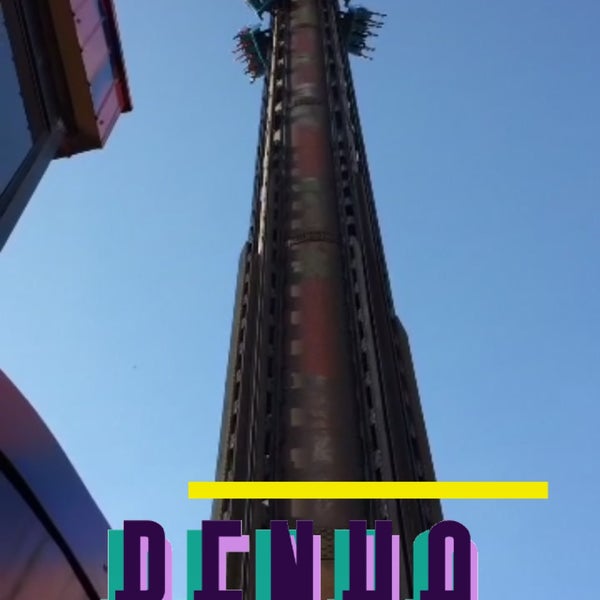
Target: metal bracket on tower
[(253, 49), (356, 27)]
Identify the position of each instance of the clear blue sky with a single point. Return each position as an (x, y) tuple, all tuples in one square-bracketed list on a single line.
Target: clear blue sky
[(482, 121)]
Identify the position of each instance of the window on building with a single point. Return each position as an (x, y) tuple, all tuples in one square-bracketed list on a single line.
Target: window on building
[(105, 77), (102, 83)]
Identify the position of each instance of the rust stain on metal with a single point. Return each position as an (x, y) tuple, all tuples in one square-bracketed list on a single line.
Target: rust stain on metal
[(304, 42), (305, 71), (311, 152), (319, 309)]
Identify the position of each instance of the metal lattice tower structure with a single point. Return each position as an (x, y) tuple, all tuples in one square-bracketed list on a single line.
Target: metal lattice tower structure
[(320, 383)]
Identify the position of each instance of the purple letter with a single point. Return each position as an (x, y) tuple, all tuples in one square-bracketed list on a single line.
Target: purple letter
[(438, 588), (211, 532), (292, 572), (358, 562), (134, 532)]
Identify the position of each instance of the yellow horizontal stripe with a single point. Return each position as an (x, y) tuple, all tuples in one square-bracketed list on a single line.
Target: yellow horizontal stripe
[(354, 490)]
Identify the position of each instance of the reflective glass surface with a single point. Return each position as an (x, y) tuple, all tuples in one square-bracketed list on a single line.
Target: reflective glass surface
[(102, 83), (15, 137), (105, 77), (31, 564)]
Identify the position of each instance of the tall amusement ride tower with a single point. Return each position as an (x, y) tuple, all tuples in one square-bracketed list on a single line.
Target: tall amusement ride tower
[(320, 383)]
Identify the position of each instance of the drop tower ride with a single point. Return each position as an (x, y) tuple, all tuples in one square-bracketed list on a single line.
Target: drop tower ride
[(320, 383)]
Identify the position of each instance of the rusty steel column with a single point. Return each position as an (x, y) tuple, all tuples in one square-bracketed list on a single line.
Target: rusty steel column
[(318, 418)]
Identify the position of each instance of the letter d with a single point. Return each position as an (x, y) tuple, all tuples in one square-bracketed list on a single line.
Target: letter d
[(134, 531)]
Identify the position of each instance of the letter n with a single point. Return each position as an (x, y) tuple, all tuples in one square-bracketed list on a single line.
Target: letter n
[(292, 572)]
